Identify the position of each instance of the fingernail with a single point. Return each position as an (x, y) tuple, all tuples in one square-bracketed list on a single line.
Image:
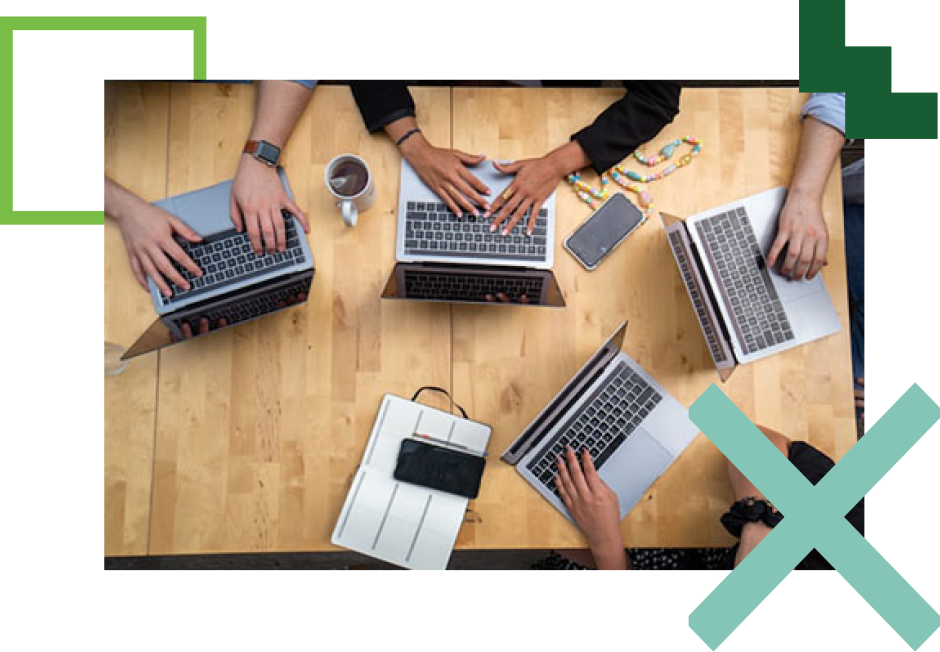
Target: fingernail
[(486, 213), (528, 232), (476, 213), (492, 227), (459, 214), (505, 231)]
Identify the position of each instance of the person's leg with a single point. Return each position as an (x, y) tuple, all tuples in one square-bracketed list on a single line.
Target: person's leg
[(743, 487), (855, 271), (753, 533)]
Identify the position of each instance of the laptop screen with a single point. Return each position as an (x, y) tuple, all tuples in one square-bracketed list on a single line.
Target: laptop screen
[(473, 284), (213, 315)]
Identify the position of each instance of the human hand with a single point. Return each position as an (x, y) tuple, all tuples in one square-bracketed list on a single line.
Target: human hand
[(445, 172), (860, 396), (502, 297), (802, 229), (148, 236), (536, 179), (592, 504), (204, 327), (258, 196)]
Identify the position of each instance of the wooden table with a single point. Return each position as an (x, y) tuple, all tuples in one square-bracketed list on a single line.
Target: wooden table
[(247, 441)]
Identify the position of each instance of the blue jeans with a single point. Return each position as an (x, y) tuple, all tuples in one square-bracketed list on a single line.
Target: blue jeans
[(855, 268)]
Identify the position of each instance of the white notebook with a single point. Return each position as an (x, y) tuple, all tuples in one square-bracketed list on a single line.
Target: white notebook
[(398, 522)]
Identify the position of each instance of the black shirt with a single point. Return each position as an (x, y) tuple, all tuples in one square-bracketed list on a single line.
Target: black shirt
[(637, 117)]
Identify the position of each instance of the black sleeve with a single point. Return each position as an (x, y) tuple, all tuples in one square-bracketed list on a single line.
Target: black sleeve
[(382, 102), (626, 124)]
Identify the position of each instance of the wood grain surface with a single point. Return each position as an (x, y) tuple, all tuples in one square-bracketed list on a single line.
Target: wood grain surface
[(254, 433)]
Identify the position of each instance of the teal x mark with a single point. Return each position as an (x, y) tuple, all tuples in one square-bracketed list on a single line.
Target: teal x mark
[(814, 517)]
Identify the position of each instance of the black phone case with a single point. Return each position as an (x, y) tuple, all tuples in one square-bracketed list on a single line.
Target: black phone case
[(439, 467), (616, 202)]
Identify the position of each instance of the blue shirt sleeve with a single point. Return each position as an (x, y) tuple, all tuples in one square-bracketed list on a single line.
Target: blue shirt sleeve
[(828, 108), (306, 83)]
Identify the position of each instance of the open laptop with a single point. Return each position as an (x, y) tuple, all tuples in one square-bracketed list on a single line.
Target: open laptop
[(236, 285), (612, 408), (445, 258), (747, 311)]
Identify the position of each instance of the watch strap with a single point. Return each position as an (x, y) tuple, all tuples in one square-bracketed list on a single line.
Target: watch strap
[(253, 148)]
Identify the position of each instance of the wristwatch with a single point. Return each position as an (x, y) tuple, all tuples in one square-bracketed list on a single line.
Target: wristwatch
[(750, 510), (263, 151)]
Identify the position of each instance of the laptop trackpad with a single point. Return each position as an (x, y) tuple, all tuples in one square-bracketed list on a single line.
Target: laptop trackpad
[(634, 467)]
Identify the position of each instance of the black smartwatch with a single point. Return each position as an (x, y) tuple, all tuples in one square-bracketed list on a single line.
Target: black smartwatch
[(750, 510), (263, 151)]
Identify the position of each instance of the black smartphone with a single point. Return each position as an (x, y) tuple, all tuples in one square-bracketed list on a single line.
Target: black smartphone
[(603, 231), (439, 467)]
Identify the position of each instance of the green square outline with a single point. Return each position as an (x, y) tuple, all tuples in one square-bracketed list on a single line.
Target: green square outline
[(198, 25)]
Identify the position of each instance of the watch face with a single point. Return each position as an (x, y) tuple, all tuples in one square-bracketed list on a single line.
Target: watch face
[(268, 152)]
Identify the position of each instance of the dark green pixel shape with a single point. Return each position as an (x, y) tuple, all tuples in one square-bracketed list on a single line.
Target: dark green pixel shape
[(863, 74)]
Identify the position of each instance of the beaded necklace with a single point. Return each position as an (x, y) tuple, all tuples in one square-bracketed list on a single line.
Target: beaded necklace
[(628, 178)]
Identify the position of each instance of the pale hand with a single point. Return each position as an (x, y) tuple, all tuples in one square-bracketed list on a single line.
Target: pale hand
[(258, 197), (802, 229)]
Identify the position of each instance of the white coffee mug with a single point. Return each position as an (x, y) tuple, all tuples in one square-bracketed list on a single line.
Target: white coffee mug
[(353, 193)]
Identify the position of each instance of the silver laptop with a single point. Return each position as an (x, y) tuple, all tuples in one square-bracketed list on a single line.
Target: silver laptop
[(457, 260), (236, 285), (747, 311), (612, 408), (429, 232), (452, 283)]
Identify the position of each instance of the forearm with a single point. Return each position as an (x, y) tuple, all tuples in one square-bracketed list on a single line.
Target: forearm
[(398, 128), (278, 108), (415, 145), (751, 535), (569, 158), (819, 150), (613, 561), (609, 554), (119, 202)]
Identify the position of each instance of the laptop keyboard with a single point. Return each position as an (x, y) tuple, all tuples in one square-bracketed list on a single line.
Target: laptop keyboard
[(243, 309), (470, 287), (431, 229), (227, 257), (745, 281), (605, 421), (698, 301)]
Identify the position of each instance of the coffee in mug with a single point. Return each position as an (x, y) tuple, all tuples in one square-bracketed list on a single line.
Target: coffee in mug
[(349, 180)]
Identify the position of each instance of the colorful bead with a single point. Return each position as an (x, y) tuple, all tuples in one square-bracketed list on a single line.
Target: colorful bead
[(620, 175)]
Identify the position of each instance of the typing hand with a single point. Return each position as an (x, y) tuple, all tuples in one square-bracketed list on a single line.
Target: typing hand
[(502, 297), (204, 327), (444, 171), (593, 506), (802, 230), (860, 396), (148, 236), (536, 179), (258, 196)]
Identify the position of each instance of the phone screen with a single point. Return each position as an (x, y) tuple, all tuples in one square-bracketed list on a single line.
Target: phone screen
[(439, 467), (604, 230)]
